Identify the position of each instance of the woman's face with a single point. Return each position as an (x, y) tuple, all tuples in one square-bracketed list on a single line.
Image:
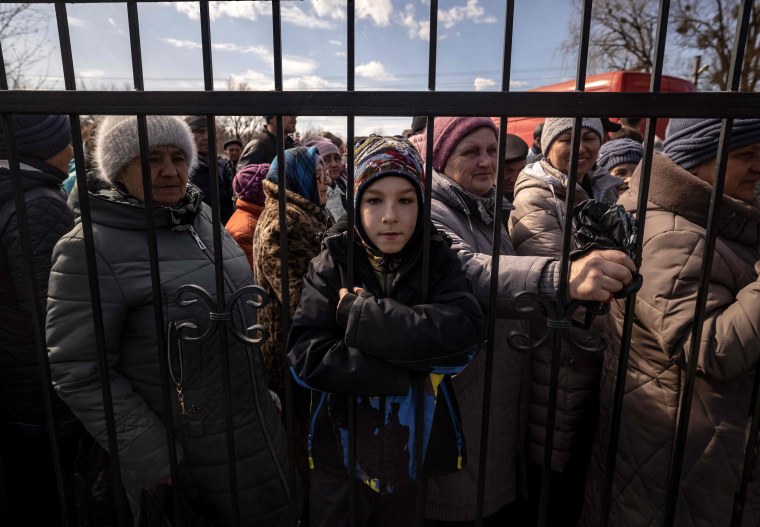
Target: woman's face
[(559, 152), (169, 171), (472, 164), (323, 182), (333, 164), (742, 172)]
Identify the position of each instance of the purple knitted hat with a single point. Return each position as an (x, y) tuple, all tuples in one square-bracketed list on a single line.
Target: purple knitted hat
[(448, 131), (247, 183), (324, 146)]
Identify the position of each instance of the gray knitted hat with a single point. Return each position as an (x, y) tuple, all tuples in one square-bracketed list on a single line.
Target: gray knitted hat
[(557, 125), (619, 151), (691, 142), (38, 136), (117, 142)]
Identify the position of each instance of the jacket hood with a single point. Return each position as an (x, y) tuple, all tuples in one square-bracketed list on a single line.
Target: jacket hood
[(33, 174), (112, 207), (455, 197), (603, 184), (677, 190)]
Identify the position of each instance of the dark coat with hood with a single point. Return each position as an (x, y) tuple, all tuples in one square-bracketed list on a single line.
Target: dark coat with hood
[(376, 346), (202, 179), (21, 399), (674, 239), (262, 148), (536, 225), (184, 236)]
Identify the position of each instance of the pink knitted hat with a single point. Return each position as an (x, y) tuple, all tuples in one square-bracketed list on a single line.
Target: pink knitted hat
[(448, 131)]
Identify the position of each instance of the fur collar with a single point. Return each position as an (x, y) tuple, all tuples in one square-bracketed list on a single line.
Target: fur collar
[(677, 190)]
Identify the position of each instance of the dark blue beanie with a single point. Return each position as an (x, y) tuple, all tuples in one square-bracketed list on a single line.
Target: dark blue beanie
[(38, 136), (619, 151), (691, 142)]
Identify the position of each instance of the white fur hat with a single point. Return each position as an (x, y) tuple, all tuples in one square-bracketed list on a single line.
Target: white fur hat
[(117, 141)]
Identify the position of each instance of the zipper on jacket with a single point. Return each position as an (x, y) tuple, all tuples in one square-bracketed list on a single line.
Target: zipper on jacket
[(254, 383), (455, 423), (310, 438)]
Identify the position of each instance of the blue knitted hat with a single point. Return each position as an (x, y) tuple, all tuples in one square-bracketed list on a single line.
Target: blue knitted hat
[(38, 136), (691, 142), (619, 151)]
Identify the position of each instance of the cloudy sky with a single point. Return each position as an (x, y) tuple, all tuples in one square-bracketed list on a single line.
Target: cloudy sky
[(392, 38)]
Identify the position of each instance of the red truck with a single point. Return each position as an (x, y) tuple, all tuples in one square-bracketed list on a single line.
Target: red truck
[(613, 81)]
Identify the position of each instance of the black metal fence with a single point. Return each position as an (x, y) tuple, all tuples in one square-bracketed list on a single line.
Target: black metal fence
[(653, 105)]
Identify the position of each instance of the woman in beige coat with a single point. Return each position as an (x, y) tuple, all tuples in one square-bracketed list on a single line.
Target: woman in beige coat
[(673, 246), (536, 227)]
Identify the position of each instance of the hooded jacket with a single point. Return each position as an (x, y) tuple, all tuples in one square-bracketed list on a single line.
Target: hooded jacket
[(536, 226), (49, 217), (674, 239), (242, 225), (454, 497), (377, 346), (184, 240)]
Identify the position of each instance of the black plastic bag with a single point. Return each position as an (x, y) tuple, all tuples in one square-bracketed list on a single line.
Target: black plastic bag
[(598, 225), (157, 509)]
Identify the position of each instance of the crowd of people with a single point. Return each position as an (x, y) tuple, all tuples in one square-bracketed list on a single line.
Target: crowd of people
[(369, 345)]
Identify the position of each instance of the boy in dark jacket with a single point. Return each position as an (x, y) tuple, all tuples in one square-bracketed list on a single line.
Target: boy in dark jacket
[(376, 338)]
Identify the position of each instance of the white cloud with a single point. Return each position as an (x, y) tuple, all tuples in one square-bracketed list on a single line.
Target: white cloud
[(177, 43), (116, 27), (92, 74), (379, 11), (414, 28), (244, 10), (472, 11), (481, 83), (256, 79), (292, 14), (373, 70), (341, 54), (335, 42), (311, 82), (77, 22), (335, 9), (293, 65), (517, 84)]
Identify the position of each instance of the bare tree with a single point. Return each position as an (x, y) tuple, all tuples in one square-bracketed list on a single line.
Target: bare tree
[(710, 26), (23, 31), (237, 126), (623, 37)]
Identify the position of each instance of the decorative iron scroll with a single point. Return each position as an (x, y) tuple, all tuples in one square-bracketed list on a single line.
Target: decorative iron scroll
[(215, 317), (528, 302)]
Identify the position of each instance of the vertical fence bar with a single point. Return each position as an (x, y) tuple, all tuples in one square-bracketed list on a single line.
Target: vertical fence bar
[(679, 444), (630, 305), (750, 446), (208, 83), (158, 316), (418, 385), (562, 294), (350, 132), (495, 261), (285, 291), (92, 269)]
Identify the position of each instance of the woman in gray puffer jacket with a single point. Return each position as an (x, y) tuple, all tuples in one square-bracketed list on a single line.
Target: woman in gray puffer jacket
[(184, 237), (536, 226)]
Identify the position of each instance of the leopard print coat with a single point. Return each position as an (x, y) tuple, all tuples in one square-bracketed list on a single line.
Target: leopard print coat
[(306, 225)]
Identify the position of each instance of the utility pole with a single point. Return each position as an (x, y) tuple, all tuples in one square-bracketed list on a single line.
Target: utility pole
[(698, 70)]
